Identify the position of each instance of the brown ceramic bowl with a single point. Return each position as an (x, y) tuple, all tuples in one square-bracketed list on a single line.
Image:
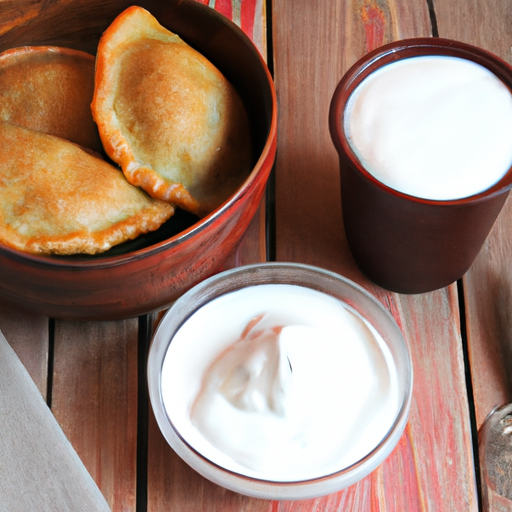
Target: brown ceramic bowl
[(152, 271)]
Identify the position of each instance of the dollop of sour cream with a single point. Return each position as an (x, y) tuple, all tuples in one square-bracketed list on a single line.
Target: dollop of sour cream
[(434, 127), (280, 382)]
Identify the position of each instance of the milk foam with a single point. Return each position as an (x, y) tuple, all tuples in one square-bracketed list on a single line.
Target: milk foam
[(435, 127)]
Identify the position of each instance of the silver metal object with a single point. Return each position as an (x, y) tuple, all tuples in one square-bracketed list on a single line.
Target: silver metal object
[(495, 441)]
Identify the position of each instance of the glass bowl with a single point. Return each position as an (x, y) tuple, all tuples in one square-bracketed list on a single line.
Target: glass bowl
[(353, 297)]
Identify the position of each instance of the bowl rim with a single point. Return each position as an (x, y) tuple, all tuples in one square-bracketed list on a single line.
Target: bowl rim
[(160, 343)]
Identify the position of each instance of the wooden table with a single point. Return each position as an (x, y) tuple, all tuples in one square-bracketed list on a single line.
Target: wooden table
[(92, 374)]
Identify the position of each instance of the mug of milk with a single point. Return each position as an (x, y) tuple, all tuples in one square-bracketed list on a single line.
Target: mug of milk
[(423, 129)]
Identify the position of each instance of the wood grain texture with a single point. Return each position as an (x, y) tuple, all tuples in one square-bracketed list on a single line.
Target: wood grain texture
[(432, 468), (94, 399), (483, 23), (488, 299), (488, 284), (14, 14), (28, 336), (312, 50), (252, 248)]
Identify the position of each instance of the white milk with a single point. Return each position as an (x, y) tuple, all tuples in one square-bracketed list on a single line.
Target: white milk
[(433, 127), (280, 382)]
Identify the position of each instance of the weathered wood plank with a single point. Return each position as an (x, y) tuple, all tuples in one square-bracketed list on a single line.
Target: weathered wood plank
[(488, 283), (483, 23), (432, 468), (28, 336), (488, 299), (94, 399)]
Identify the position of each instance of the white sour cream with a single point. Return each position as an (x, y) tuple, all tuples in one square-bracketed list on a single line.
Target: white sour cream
[(280, 382), (434, 127)]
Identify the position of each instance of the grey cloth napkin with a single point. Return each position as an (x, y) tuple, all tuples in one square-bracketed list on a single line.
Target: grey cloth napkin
[(39, 469)]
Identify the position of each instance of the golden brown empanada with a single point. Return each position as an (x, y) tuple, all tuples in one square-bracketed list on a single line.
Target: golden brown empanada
[(57, 198), (171, 120), (49, 89)]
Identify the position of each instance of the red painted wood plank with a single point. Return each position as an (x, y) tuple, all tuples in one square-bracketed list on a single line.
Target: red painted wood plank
[(225, 7), (247, 16), (436, 454)]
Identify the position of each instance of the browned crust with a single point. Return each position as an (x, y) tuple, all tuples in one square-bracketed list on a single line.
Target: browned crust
[(49, 89), (57, 198), (204, 179)]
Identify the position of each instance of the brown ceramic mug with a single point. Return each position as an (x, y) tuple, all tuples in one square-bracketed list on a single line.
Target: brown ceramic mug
[(404, 243)]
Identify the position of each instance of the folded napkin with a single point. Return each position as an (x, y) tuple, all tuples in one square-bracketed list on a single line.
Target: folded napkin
[(39, 469)]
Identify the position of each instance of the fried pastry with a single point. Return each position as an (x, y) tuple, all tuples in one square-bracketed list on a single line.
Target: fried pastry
[(167, 116), (49, 89), (57, 198)]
